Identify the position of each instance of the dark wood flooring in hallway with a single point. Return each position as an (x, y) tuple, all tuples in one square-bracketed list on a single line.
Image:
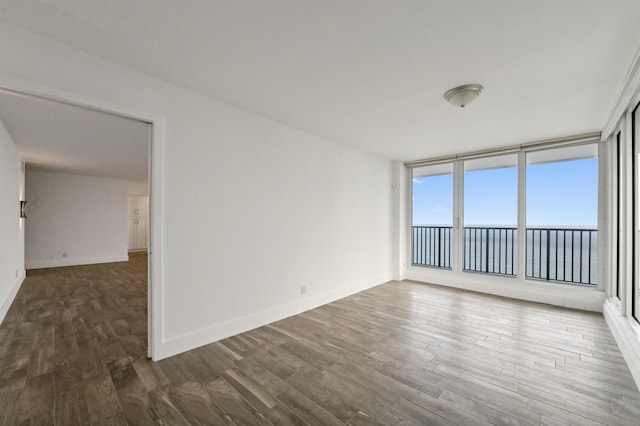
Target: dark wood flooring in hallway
[(73, 351)]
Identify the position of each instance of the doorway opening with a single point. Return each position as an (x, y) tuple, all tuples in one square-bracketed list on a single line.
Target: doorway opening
[(87, 151)]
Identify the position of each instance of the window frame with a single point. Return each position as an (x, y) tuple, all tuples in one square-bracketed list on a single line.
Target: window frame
[(452, 244), (463, 223), (635, 210), (456, 272)]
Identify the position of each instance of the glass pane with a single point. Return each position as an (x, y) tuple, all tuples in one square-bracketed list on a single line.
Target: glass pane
[(562, 214), (617, 249), (635, 135), (491, 215), (432, 215)]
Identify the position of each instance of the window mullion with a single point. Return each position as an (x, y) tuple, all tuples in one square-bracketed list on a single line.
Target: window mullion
[(522, 215), (603, 217), (458, 215)]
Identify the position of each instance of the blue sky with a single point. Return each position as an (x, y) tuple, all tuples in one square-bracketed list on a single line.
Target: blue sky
[(558, 194)]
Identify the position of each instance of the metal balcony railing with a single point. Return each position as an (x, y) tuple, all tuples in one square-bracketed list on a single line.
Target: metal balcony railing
[(432, 246), (566, 255), (490, 250)]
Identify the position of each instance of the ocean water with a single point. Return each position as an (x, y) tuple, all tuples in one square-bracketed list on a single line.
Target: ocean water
[(556, 254)]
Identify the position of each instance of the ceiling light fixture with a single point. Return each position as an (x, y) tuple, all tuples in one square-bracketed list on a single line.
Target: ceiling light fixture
[(462, 96)]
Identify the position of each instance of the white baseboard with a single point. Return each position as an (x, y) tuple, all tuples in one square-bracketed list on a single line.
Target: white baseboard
[(55, 263), (627, 335), (176, 345), (6, 304)]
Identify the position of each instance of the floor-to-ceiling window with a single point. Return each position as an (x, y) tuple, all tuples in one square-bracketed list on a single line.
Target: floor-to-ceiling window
[(432, 216), (562, 214), (529, 212), (491, 215)]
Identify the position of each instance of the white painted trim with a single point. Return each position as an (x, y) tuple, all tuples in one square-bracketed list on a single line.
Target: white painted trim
[(156, 239), (396, 229), (64, 96), (629, 90), (626, 336), (406, 210), (6, 304), (566, 141), (408, 214), (156, 247), (55, 263), (604, 219), (610, 245), (569, 296), (457, 216), (522, 216), (226, 329)]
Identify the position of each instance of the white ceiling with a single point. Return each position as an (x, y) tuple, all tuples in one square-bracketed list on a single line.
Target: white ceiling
[(371, 73), (58, 137)]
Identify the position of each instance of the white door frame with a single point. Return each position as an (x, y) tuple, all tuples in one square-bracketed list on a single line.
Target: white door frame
[(156, 173)]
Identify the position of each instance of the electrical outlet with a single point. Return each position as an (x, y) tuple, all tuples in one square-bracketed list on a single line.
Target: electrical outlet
[(303, 290), (65, 254)]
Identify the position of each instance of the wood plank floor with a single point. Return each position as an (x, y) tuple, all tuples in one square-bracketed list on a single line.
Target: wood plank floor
[(73, 345)]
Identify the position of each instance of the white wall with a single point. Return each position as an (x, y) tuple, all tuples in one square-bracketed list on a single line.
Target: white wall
[(137, 188), (251, 209), (11, 226), (82, 216)]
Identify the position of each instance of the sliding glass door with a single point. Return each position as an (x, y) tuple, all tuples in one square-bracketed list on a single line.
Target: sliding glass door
[(432, 216), (491, 215), (562, 215)]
